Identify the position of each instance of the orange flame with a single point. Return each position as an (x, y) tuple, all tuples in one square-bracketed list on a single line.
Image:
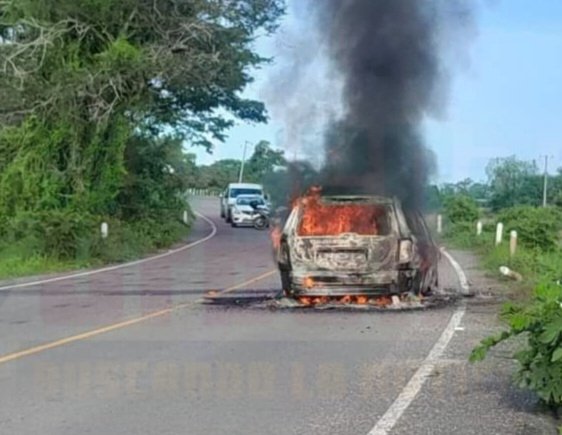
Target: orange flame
[(305, 301), (321, 219), (383, 301), (362, 300), (331, 219), (347, 299), (378, 301), (275, 235), (308, 283)]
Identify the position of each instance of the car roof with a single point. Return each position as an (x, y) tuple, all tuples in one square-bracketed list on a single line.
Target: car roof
[(369, 199), (249, 197), (245, 186)]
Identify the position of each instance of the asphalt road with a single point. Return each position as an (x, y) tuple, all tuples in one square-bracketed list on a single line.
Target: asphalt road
[(134, 351)]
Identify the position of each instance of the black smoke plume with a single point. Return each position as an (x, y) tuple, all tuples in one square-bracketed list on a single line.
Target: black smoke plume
[(389, 54)]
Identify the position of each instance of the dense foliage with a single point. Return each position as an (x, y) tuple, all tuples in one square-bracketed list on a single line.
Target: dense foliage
[(538, 259), (263, 162), (540, 361), (461, 208), (510, 182), (537, 228), (514, 182), (99, 97)]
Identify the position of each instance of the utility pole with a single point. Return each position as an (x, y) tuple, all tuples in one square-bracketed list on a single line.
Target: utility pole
[(241, 176), (545, 185)]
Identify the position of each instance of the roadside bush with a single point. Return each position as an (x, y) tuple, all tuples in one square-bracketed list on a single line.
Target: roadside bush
[(536, 227), (127, 240), (50, 241), (460, 208), (540, 361), (55, 233), (462, 235)]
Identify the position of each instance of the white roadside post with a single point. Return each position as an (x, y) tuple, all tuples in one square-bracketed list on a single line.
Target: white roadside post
[(104, 230), (513, 243), (185, 217), (439, 224), (499, 234), (479, 228)]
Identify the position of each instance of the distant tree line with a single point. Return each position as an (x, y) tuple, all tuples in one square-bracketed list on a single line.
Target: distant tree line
[(261, 164), (283, 179), (511, 182)]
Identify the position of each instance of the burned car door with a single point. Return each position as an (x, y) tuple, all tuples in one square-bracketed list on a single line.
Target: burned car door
[(427, 251), (287, 233)]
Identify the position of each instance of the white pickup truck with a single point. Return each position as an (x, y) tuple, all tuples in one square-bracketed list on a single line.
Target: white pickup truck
[(228, 197)]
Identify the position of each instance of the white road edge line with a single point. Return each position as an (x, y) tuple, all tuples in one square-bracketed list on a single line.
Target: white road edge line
[(465, 286), (415, 384), (119, 266)]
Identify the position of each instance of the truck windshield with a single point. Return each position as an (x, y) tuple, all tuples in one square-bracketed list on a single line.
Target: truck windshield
[(237, 192)]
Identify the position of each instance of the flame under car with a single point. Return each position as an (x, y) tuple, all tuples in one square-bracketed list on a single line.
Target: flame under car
[(355, 245)]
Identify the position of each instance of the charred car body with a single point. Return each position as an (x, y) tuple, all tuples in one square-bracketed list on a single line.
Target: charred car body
[(355, 245)]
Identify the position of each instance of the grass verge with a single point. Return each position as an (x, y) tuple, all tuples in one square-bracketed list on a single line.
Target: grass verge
[(535, 265), (43, 249)]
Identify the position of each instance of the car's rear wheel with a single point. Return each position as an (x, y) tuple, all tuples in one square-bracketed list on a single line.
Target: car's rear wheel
[(286, 283), (435, 284), (430, 283), (228, 217)]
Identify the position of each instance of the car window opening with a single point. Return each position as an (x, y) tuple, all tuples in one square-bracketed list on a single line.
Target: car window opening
[(335, 219), (249, 201), (237, 192)]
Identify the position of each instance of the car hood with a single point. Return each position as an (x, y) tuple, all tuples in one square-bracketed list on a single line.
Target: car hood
[(249, 208)]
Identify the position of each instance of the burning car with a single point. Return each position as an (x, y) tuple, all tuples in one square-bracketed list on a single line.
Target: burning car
[(345, 246)]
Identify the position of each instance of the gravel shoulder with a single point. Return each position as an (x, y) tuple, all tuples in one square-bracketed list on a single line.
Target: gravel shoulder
[(475, 399)]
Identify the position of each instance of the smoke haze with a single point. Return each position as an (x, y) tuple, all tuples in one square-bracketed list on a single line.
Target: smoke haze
[(389, 58)]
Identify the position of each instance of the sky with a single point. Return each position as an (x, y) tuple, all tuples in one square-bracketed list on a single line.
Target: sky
[(505, 97)]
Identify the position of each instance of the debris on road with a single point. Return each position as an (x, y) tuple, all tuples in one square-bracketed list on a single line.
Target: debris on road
[(507, 272), (273, 299)]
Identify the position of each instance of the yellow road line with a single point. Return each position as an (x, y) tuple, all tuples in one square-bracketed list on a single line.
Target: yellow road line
[(113, 327), (244, 284)]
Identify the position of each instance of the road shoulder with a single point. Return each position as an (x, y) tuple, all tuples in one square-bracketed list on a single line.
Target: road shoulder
[(474, 399), (202, 229)]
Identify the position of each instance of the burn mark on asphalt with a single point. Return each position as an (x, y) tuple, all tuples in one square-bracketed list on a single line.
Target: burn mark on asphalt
[(111, 293), (19, 322), (272, 299)]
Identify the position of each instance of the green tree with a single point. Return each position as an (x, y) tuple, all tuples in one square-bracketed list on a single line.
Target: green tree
[(83, 77), (461, 208), (264, 161), (513, 182), (219, 174), (99, 96), (433, 200), (466, 187), (537, 227)]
